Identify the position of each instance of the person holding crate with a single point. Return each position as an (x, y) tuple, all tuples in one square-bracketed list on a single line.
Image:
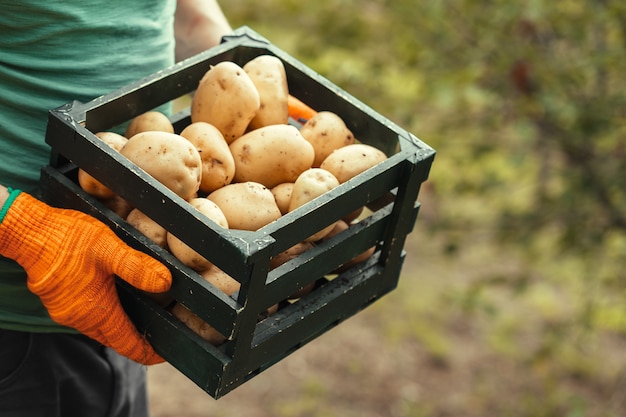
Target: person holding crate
[(66, 346)]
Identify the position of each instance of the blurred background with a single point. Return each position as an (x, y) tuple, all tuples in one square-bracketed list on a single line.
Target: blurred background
[(512, 301)]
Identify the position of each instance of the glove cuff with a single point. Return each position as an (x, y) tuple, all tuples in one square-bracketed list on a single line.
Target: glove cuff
[(22, 231), (7, 204)]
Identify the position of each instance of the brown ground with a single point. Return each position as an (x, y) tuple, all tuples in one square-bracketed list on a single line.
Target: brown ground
[(352, 370)]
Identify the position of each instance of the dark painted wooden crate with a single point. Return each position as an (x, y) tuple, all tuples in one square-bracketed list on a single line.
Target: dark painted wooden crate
[(255, 340)]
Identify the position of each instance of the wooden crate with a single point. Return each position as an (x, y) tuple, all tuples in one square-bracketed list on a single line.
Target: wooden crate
[(255, 340)]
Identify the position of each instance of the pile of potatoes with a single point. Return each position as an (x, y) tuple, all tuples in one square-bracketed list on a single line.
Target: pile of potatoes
[(239, 162)]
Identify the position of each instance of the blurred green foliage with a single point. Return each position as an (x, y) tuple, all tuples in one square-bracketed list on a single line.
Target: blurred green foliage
[(525, 103)]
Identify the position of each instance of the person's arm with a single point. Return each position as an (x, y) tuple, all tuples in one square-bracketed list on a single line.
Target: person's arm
[(4, 194), (198, 26)]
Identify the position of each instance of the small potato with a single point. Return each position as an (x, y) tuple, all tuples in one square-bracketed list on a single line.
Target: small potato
[(326, 131), (169, 158), (351, 160), (149, 121), (92, 186), (341, 226), (350, 217), (365, 255), (289, 254), (218, 164), (272, 309), (184, 252), (151, 229), (282, 195), (87, 182), (221, 280), (271, 155), (118, 205), (114, 140), (311, 184), (196, 324), (227, 98), (246, 205), (267, 72)]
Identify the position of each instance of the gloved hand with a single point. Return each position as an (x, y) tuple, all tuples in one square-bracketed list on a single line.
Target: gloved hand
[(70, 259)]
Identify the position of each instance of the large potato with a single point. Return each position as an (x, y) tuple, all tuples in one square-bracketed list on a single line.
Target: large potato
[(267, 72), (184, 252), (348, 161), (218, 165), (271, 155), (326, 131), (311, 184), (87, 182), (149, 121), (227, 98), (169, 158), (246, 205)]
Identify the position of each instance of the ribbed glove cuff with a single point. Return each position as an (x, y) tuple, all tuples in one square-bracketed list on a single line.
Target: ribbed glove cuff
[(5, 208)]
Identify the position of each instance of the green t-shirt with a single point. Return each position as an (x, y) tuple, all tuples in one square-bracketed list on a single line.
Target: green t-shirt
[(50, 54)]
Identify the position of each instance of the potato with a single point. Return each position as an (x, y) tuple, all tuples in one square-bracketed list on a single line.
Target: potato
[(169, 158), (221, 280), (151, 229), (114, 140), (350, 217), (246, 205), (272, 309), (341, 226), (218, 165), (282, 195), (196, 324), (149, 121), (289, 254), (91, 185), (311, 184), (267, 72), (326, 131), (271, 155), (226, 98), (118, 205), (351, 160), (184, 252)]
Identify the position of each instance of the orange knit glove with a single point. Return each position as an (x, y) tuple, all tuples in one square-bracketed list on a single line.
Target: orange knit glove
[(71, 259)]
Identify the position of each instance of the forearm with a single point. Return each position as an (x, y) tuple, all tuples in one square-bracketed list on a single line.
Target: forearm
[(198, 26), (4, 194)]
